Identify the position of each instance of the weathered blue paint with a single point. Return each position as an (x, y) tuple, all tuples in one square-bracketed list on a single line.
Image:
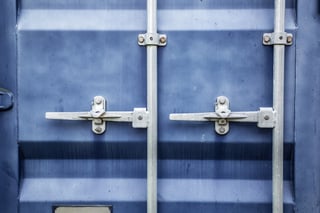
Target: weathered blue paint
[(307, 159), (9, 177), (70, 51)]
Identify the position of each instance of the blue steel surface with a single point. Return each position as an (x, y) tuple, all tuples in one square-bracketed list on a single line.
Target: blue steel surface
[(139, 4), (307, 134), (8, 123), (70, 51)]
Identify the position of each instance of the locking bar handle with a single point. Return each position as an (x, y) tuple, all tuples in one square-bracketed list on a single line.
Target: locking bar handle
[(223, 115), (99, 116)]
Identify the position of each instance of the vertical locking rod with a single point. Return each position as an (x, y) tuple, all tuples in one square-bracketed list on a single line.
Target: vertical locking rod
[(152, 104), (278, 102)]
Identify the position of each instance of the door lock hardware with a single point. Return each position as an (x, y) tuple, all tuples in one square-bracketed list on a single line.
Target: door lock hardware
[(6, 99), (152, 39), (223, 115), (281, 38), (99, 116)]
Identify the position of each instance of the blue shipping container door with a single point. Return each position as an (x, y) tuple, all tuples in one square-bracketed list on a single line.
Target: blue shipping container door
[(60, 55), (70, 52)]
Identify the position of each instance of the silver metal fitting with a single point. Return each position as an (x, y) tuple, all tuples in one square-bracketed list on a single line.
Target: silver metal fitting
[(99, 116), (265, 117), (153, 39), (277, 38)]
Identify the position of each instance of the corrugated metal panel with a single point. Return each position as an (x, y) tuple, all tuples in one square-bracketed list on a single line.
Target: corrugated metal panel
[(70, 51), (213, 50)]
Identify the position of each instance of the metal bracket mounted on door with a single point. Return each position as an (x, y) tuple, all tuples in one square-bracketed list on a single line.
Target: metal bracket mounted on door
[(99, 116), (6, 99), (223, 115), (281, 38), (153, 39)]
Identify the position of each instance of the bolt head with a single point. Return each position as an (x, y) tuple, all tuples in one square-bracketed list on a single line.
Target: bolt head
[(289, 39), (266, 39), (140, 117), (266, 117), (163, 39), (140, 39)]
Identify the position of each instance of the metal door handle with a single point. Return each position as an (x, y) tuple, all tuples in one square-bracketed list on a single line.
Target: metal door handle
[(6, 99), (99, 116), (223, 115)]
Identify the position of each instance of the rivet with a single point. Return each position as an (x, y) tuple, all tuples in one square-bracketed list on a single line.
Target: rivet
[(222, 100), (222, 130), (98, 129), (140, 117), (266, 117), (98, 100)]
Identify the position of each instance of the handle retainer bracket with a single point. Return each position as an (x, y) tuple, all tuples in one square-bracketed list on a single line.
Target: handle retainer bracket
[(282, 38)]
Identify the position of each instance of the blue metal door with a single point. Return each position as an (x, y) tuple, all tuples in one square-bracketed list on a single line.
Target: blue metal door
[(71, 52)]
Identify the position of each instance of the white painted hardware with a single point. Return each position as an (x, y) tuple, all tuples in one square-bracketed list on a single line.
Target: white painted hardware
[(99, 116), (154, 39), (278, 106), (277, 38), (223, 115)]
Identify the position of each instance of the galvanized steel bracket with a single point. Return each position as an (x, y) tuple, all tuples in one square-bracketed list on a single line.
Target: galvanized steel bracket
[(277, 38), (264, 118), (152, 39), (99, 116), (6, 99)]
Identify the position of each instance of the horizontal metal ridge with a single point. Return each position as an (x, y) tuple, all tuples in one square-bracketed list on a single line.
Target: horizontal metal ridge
[(134, 20)]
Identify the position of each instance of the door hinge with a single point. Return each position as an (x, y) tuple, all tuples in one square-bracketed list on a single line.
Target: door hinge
[(6, 99)]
